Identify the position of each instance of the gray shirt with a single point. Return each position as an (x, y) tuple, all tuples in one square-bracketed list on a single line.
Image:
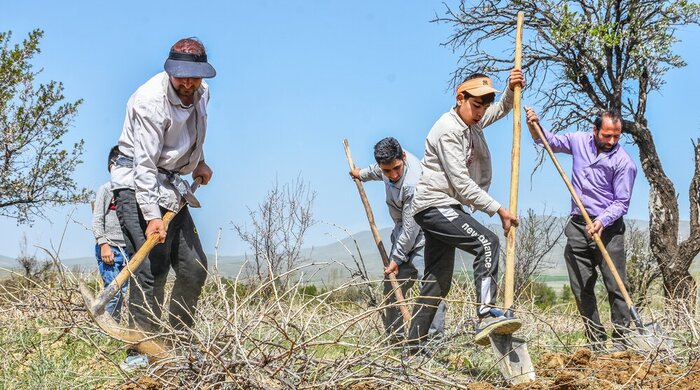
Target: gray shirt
[(160, 132), (407, 236), (105, 224), (457, 162)]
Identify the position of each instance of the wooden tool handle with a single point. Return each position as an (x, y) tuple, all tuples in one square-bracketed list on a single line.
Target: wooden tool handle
[(509, 291), (133, 264)]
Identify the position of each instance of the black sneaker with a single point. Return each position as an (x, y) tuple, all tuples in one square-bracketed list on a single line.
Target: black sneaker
[(596, 346), (495, 321)]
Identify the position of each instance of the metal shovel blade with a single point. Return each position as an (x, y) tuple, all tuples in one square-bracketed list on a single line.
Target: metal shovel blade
[(143, 343), (513, 358), (191, 200), (652, 339), (649, 337)]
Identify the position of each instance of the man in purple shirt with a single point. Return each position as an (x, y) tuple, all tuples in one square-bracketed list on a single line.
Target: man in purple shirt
[(603, 177)]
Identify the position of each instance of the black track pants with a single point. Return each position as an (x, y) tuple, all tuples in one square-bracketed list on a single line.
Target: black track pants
[(445, 229)]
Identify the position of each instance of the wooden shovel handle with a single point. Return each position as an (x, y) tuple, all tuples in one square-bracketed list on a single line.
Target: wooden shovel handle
[(378, 240), (509, 275), (535, 128)]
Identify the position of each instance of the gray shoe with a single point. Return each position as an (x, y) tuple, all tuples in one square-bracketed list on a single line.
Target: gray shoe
[(618, 345), (495, 321)]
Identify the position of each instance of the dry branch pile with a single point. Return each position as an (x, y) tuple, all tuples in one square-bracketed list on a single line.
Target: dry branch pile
[(276, 336)]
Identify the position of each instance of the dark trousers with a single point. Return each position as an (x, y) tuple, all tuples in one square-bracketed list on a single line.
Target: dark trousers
[(409, 272), (182, 251), (445, 229), (582, 258), (393, 321)]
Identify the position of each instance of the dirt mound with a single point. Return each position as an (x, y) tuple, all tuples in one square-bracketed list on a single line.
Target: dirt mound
[(142, 383), (480, 386), (586, 370)]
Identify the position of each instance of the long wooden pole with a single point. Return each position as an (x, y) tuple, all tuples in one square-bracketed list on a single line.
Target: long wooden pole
[(378, 240), (514, 171)]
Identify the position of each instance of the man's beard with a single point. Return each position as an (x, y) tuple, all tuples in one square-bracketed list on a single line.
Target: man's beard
[(603, 147), (184, 92)]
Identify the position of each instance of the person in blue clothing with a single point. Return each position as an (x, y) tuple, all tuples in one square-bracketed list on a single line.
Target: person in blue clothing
[(110, 248), (400, 171)]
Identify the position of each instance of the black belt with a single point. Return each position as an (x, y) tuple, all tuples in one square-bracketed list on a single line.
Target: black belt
[(123, 160), (579, 218)]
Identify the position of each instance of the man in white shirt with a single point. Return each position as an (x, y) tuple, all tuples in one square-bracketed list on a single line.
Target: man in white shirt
[(162, 139)]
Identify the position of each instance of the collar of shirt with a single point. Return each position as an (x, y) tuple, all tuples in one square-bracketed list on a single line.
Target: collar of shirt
[(459, 120)]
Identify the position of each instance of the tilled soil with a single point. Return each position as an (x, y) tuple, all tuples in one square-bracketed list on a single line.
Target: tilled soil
[(142, 383), (620, 370), (585, 370), (580, 370)]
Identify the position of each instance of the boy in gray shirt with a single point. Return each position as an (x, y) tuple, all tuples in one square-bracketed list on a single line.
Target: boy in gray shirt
[(400, 172), (110, 249)]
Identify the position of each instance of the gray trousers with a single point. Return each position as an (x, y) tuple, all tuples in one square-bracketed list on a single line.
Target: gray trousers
[(409, 272), (582, 260), (182, 251), (445, 229)]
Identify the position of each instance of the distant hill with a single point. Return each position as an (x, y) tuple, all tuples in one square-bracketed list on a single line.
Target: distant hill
[(7, 262), (341, 258)]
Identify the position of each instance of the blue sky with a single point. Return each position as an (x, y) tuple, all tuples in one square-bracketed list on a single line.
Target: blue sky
[(294, 79)]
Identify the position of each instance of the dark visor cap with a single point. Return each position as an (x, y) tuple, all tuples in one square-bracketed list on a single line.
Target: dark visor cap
[(185, 65)]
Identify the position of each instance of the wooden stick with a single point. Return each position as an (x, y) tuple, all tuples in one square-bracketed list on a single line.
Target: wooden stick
[(378, 240), (514, 172)]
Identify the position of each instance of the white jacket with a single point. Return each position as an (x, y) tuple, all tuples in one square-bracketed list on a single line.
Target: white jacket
[(457, 162)]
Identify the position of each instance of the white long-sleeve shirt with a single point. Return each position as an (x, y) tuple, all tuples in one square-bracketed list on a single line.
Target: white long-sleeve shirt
[(160, 132), (457, 162)]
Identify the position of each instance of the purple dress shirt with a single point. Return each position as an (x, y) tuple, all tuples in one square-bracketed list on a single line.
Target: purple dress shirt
[(603, 181)]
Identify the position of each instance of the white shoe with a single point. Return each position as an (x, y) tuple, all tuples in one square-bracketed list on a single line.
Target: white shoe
[(134, 362)]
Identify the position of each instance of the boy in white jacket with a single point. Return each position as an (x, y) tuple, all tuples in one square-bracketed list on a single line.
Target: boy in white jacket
[(457, 173)]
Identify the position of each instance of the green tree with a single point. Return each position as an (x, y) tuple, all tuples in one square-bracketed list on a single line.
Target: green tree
[(567, 296), (539, 293), (589, 55), (36, 170)]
